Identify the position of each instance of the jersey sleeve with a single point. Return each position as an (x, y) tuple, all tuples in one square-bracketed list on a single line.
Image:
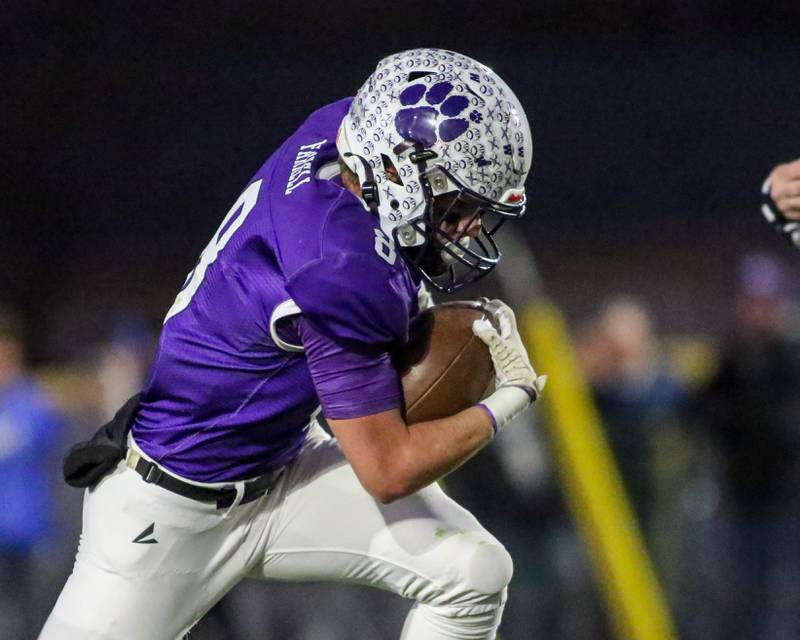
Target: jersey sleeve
[(350, 381), (353, 290)]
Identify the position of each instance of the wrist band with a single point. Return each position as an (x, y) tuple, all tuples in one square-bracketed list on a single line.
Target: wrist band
[(491, 417), (507, 403)]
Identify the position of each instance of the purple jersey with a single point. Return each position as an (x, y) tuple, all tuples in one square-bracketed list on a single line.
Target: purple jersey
[(228, 395)]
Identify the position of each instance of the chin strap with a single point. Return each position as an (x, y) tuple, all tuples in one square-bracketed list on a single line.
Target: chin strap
[(369, 188)]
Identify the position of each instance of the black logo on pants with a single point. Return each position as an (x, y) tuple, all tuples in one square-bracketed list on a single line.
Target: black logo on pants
[(143, 537)]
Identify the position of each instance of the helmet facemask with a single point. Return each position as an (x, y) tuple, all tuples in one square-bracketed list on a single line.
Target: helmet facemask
[(451, 243)]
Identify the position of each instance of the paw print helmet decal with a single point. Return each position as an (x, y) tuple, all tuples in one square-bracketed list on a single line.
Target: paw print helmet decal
[(439, 143)]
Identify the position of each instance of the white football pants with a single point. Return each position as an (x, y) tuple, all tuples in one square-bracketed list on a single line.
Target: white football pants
[(318, 523)]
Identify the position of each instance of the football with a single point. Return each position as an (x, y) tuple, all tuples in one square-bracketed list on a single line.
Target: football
[(445, 368)]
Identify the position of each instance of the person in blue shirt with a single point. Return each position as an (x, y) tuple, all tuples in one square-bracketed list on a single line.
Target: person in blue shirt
[(30, 431)]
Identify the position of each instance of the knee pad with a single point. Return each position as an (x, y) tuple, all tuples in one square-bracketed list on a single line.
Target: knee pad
[(480, 568), (489, 568), (474, 574)]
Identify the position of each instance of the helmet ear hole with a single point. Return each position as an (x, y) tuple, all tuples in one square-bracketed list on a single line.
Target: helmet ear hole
[(391, 171)]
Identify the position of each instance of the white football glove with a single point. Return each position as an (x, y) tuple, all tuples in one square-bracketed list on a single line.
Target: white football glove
[(516, 383), (780, 200)]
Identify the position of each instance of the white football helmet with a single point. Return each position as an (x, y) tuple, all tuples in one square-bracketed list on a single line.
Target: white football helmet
[(430, 122)]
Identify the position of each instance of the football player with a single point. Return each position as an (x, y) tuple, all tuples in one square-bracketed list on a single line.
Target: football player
[(781, 199), (313, 275)]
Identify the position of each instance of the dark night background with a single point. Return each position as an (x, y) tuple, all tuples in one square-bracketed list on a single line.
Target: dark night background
[(128, 129)]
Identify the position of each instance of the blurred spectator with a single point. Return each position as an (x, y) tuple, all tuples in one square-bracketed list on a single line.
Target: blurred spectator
[(753, 411), (636, 393), (123, 362), (30, 441)]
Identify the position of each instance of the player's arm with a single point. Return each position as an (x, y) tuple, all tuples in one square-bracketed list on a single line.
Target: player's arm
[(781, 199), (393, 459)]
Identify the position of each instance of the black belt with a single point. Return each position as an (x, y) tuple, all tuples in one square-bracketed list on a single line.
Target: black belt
[(224, 496)]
